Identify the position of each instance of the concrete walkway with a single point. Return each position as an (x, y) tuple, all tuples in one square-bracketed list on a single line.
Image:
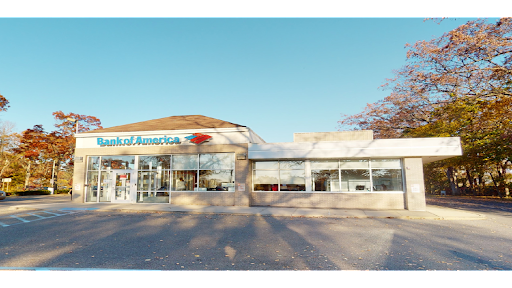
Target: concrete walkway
[(432, 212)]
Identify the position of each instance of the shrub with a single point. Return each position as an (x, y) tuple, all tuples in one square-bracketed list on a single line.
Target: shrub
[(27, 193)]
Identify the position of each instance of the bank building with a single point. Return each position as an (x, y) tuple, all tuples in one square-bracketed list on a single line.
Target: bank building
[(198, 160)]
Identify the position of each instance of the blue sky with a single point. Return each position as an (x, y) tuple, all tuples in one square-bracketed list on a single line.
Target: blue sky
[(275, 75)]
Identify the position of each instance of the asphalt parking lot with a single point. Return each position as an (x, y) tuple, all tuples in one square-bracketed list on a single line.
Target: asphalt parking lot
[(199, 242)]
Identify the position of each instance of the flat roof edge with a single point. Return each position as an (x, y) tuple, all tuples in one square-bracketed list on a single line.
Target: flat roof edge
[(445, 147)]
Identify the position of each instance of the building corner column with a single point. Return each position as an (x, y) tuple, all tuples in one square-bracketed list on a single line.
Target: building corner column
[(243, 179), (78, 188), (414, 184)]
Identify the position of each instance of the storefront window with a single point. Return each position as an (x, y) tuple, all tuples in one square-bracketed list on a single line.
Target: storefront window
[(343, 175), (287, 165), (351, 164), (325, 175), (266, 180), (105, 185), (325, 180), (158, 175), (92, 189), (265, 165), (94, 163), (355, 180), (279, 176), (216, 180), (216, 161), (155, 162), (184, 180), (117, 162), (387, 179), (387, 175), (153, 186), (153, 179), (292, 180), (185, 162)]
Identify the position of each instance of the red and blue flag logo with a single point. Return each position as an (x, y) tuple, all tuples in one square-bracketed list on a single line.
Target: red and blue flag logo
[(199, 138)]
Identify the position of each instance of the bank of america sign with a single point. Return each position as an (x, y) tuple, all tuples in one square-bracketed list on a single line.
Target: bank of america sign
[(196, 138)]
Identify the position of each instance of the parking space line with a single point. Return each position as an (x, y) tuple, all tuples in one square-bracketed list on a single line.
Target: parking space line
[(39, 217), (71, 269), (19, 218), (56, 214), (48, 214)]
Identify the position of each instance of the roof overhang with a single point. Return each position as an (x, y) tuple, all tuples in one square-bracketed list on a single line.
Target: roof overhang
[(429, 149)]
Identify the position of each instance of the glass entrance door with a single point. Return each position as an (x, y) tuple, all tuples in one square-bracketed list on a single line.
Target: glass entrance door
[(123, 188)]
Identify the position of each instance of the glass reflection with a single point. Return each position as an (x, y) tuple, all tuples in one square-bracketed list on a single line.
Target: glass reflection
[(184, 180), (325, 180), (185, 162), (155, 162), (387, 179), (286, 165), (92, 186), (216, 180), (105, 186), (118, 162), (328, 164), (292, 180), (265, 180), (355, 180), (362, 163), (216, 161), (94, 163), (265, 165)]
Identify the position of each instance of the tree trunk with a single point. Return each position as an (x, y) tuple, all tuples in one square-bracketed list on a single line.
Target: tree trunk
[(501, 180), (452, 179), (27, 176), (495, 185), (7, 161), (481, 184), (471, 181), (56, 177)]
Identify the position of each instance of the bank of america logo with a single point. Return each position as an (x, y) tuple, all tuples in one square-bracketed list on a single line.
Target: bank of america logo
[(198, 138)]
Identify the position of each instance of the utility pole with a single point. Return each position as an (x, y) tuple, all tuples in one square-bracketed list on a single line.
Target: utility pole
[(76, 121), (53, 177)]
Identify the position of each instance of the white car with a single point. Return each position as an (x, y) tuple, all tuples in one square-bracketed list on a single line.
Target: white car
[(2, 195)]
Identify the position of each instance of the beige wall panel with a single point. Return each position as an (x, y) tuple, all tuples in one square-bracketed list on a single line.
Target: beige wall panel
[(415, 186), (330, 200), (203, 198)]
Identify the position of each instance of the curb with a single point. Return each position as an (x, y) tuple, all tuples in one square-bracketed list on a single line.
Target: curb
[(361, 214), (481, 217)]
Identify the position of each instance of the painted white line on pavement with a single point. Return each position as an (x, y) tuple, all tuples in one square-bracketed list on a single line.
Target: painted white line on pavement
[(70, 269), (56, 214), (41, 217), (19, 218)]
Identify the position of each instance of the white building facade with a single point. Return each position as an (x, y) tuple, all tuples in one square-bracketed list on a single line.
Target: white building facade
[(198, 160)]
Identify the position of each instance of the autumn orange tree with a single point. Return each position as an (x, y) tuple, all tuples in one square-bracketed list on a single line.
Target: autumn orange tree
[(4, 103), (67, 127), (40, 150), (62, 141), (32, 143), (64, 135), (456, 85)]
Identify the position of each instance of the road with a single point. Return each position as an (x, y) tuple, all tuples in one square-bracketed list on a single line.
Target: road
[(180, 241)]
